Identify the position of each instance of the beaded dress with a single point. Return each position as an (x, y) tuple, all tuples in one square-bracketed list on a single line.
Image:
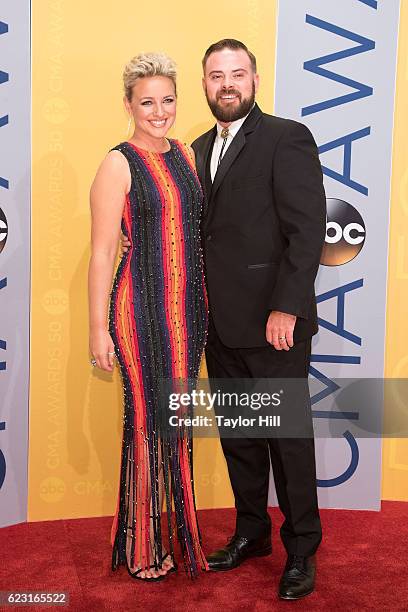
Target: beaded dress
[(158, 322)]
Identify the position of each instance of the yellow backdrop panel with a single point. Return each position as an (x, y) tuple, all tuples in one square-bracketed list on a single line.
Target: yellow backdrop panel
[(78, 57), (395, 451)]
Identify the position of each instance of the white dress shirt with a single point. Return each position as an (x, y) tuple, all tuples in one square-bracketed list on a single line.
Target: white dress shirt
[(218, 142)]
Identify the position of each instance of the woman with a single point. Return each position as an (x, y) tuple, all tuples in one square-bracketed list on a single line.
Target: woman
[(148, 187)]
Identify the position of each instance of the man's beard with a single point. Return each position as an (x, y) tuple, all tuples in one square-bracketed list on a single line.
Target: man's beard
[(230, 113)]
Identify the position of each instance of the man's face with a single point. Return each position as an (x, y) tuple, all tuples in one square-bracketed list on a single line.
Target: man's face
[(230, 84)]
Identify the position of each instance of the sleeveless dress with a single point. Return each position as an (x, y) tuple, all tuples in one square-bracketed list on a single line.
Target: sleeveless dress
[(158, 320)]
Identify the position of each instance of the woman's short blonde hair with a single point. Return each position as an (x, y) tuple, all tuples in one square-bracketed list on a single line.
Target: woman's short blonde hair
[(148, 65)]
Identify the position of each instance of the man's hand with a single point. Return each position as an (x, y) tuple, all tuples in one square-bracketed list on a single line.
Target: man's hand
[(279, 330), (124, 244)]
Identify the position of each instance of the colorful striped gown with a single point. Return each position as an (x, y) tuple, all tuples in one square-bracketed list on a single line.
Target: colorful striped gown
[(158, 323)]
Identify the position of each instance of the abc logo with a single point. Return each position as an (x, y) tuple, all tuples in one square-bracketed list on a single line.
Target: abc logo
[(3, 230), (56, 110), (345, 233), (55, 301), (52, 489)]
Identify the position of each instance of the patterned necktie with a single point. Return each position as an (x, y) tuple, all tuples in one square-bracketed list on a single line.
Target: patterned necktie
[(224, 135)]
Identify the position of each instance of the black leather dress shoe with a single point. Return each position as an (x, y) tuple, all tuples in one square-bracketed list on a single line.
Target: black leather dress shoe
[(238, 550), (298, 578)]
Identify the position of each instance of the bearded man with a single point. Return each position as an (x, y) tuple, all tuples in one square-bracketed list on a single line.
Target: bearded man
[(263, 230)]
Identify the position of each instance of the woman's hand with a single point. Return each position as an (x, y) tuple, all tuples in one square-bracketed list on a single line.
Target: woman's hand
[(102, 349), (124, 244)]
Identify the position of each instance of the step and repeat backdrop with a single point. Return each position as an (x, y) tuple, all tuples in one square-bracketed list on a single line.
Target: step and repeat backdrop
[(342, 69)]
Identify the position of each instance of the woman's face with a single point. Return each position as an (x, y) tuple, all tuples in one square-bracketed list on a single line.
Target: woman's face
[(153, 105)]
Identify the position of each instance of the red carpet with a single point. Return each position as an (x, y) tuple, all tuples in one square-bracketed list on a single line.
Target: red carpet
[(362, 565)]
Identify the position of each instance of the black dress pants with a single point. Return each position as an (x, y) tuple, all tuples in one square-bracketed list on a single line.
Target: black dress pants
[(248, 460)]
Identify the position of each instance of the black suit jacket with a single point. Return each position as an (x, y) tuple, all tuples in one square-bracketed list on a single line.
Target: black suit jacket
[(263, 228)]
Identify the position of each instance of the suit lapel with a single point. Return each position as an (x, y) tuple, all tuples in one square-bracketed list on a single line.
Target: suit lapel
[(203, 159), (202, 162), (208, 181), (231, 154), (235, 148)]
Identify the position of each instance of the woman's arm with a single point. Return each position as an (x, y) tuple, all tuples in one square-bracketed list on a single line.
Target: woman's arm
[(108, 193)]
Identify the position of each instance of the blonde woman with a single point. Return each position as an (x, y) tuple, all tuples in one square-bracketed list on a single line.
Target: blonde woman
[(156, 319)]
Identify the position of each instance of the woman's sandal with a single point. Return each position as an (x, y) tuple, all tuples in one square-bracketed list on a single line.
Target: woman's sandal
[(154, 578), (146, 578), (171, 569)]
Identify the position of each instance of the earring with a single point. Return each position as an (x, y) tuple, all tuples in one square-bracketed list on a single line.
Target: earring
[(129, 126)]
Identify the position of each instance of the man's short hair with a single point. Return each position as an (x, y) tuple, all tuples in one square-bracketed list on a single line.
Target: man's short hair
[(229, 43)]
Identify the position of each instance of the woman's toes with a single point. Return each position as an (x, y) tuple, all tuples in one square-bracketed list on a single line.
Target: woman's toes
[(167, 565)]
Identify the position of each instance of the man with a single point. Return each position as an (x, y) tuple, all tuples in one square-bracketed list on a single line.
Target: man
[(263, 231)]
